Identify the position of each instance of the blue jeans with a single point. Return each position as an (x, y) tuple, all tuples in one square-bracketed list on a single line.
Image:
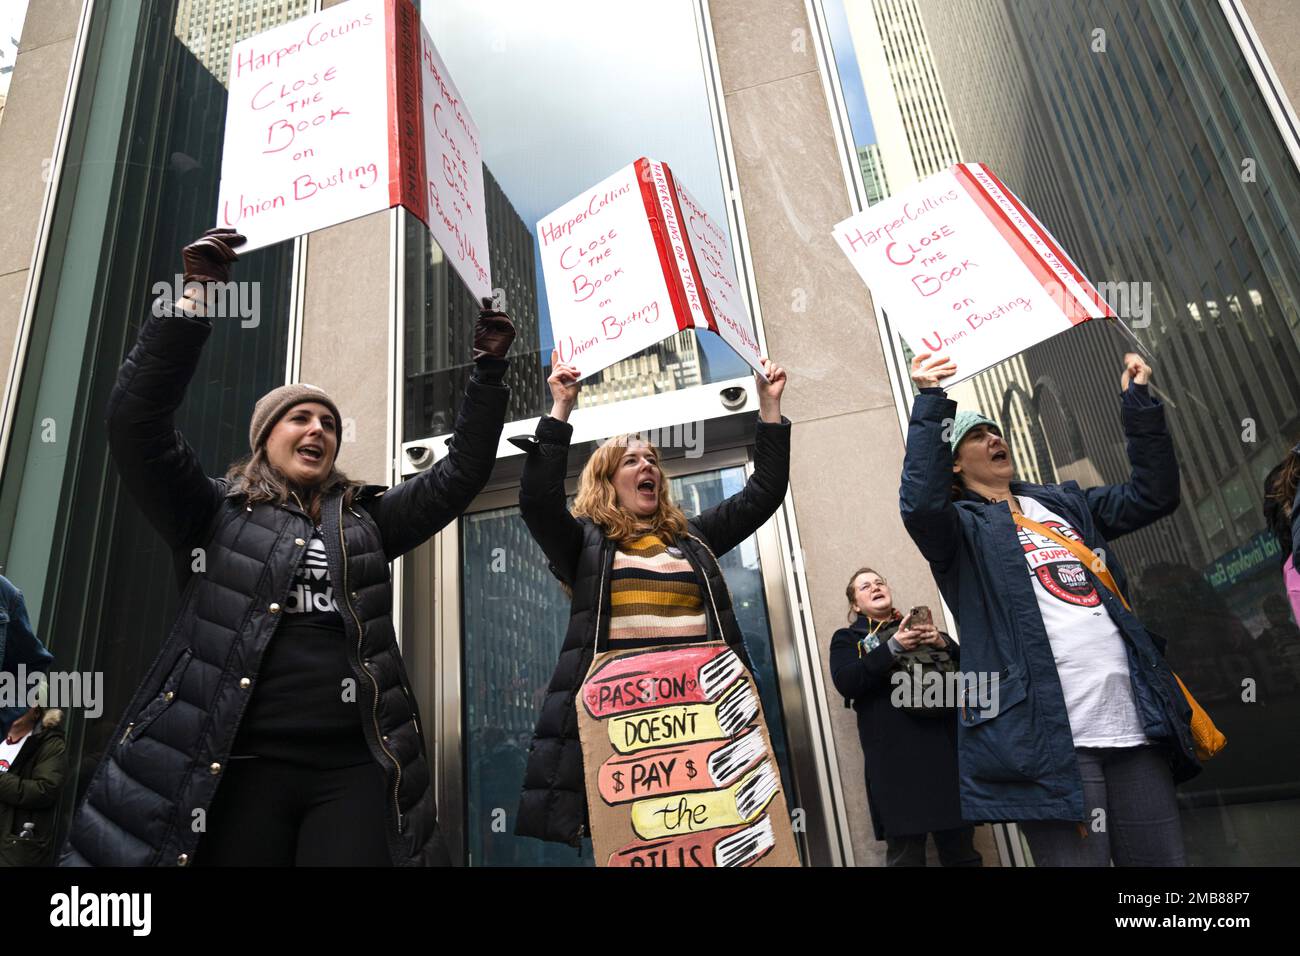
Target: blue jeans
[(1138, 825)]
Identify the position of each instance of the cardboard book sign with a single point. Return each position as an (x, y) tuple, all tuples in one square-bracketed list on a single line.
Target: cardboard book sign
[(634, 260), (965, 270), (344, 113), (679, 766)]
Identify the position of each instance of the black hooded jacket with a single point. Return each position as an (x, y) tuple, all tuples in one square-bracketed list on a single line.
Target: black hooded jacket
[(29, 795), (554, 802), (173, 743)]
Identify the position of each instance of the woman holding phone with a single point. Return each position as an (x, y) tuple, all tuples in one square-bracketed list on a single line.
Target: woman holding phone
[(909, 753), (1091, 730)]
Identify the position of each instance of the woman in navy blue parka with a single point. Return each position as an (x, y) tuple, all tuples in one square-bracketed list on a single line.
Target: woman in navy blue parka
[(1090, 730)]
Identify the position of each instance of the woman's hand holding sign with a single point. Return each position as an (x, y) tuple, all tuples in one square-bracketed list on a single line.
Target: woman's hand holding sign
[(1135, 369), (769, 391), (564, 385), (928, 369), (207, 260)]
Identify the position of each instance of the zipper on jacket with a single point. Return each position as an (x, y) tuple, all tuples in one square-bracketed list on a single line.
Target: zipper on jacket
[(600, 599), (374, 705), (582, 831), (126, 733)]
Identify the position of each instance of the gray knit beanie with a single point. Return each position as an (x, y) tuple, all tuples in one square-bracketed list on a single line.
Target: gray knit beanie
[(276, 402)]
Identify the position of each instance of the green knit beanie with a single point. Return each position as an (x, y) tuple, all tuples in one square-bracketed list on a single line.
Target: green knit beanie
[(964, 422)]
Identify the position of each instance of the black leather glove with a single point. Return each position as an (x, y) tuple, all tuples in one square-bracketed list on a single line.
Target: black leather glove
[(208, 258), (493, 332)]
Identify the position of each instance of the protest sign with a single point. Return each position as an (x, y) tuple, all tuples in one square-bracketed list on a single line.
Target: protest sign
[(965, 270), (634, 260), (679, 767), (348, 112)]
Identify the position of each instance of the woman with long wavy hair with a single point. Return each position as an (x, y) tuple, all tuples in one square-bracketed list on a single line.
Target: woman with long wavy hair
[(276, 726), (640, 573)]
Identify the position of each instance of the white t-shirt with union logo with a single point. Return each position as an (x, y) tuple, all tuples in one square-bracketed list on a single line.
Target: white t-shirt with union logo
[(1091, 659)]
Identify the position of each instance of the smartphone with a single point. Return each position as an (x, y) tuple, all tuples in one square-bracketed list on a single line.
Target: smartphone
[(919, 615)]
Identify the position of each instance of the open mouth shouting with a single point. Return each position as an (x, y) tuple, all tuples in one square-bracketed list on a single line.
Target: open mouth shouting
[(1001, 455), (311, 454), (647, 490)]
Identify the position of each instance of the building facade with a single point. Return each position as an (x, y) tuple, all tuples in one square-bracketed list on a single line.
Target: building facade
[(1162, 152)]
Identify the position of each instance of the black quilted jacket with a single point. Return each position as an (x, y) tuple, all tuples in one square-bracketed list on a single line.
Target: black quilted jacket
[(554, 801), (174, 740)]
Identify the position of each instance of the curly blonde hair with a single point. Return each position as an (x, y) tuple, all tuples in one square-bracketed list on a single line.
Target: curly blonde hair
[(598, 500)]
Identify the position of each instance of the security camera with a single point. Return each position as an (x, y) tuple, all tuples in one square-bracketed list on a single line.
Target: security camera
[(733, 397), (419, 455)]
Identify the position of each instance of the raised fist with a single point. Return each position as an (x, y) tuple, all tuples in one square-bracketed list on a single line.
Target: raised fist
[(208, 258), (493, 332)]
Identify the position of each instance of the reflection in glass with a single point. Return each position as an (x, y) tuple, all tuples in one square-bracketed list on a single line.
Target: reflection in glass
[(513, 619), (1135, 159), (559, 109)]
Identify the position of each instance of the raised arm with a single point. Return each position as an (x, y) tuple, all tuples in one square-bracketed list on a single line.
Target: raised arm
[(925, 489), (542, 502), (730, 522), (1152, 489), (157, 465), (19, 645), (413, 511)]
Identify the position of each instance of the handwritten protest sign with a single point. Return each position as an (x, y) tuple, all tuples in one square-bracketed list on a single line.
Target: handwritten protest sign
[(348, 112), (679, 766), (964, 269), (457, 216), (634, 260)]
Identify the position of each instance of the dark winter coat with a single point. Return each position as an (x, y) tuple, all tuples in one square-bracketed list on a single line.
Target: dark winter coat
[(29, 793), (1019, 762), (910, 760), (172, 745), (554, 802), (18, 645)]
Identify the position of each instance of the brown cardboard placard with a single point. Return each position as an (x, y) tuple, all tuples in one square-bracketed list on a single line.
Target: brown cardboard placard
[(679, 765)]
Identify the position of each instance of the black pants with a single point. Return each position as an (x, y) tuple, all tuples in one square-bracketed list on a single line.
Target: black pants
[(956, 848), (272, 813)]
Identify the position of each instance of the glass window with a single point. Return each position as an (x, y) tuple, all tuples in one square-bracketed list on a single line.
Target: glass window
[(140, 180), (1208, 577), (555, 109), (513, 619)]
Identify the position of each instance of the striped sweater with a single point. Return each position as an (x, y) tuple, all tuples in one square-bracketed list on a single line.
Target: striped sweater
[(655, 597)]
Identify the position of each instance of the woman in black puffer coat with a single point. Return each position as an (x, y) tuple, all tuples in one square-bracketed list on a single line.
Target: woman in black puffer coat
[(623, 499), (276, 726)]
